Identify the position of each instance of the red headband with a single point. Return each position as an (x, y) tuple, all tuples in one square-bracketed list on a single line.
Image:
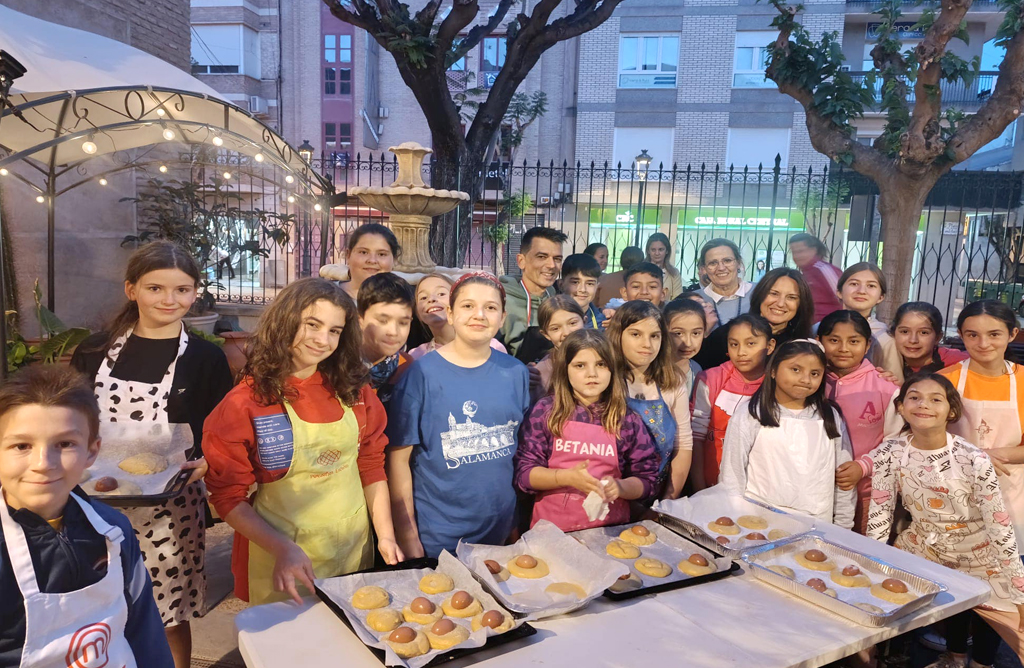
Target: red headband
[(490, 278)]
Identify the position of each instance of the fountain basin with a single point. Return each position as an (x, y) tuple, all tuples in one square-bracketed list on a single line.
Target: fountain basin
[(409, 201)]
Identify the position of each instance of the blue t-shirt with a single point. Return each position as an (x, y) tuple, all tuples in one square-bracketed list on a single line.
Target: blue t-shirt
[(464, 425)]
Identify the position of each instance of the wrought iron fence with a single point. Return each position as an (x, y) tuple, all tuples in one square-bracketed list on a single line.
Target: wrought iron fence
[(970, 238)]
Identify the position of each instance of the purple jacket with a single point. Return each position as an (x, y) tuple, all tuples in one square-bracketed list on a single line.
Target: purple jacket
[(637, 455)]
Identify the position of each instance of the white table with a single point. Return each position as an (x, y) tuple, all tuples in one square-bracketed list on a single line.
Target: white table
[(736, 621)]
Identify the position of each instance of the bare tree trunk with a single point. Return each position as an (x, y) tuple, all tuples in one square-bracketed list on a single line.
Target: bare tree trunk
[(900, 202)]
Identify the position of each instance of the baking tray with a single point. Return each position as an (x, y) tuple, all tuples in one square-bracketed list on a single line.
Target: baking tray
[(524, 630), (760, 559), (669, 543), (175, 487)]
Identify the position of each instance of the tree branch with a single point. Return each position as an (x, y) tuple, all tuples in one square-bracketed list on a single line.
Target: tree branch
[(364, 17), (426, 16), (587, 16), (1001, 108), (922, 142), (477, 33), (461, 15)]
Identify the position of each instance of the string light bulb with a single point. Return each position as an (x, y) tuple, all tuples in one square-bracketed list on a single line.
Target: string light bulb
[(169, 134), (289, 179), (217, 141), (163, 169), (258, 157), (103, 182), (317, 207), (291, 199), (227, 175), (40, 199), (89, 146), (3, 171), (160, 112)]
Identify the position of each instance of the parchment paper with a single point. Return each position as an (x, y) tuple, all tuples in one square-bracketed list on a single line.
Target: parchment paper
[(708, 505), (403, 586), (567, 559), (670, 548), (121, 440)]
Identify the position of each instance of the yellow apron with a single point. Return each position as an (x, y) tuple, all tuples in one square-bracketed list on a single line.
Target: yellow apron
[(319, 504)]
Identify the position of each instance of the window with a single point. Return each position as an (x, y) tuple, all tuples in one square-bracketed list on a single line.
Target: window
[(491, 59), (648, 61), (337, 49), (750, 147), (217, 49), (750, 58), (337, 135), (628, 142)]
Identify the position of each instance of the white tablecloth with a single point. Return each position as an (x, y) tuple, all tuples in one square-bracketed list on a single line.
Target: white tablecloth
[(736, 621)]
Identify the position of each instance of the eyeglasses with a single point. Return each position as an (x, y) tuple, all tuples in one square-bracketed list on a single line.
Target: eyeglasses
[(727, 262)]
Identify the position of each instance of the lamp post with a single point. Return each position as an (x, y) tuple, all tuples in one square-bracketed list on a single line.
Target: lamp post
[(306, 151), (643, 164), (10, 69)]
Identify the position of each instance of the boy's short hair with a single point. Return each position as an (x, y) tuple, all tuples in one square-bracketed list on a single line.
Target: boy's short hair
[(630, 256), (648, 268), (52, 386), (384, 288), (580, 263), (553, 305)]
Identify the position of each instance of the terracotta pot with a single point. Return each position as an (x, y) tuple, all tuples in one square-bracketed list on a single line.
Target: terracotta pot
[(235, 344)]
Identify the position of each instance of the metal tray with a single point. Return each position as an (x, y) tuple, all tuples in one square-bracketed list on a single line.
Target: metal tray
[(174, 488), (522, 631), (669, 543), (761, 558), (703, 538)]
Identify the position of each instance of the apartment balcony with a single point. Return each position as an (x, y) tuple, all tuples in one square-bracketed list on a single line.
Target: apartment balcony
[(458, 80), (966, 97)]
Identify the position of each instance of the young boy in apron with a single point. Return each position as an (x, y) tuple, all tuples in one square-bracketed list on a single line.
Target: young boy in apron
[(70, 570)]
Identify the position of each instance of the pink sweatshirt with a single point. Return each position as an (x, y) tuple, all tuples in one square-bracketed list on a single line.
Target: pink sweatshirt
[(717, 393)]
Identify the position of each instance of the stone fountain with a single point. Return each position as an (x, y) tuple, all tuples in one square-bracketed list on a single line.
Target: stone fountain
[(410, 204)]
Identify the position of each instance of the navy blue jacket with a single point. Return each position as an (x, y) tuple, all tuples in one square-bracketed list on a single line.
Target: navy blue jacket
[(74, 558)]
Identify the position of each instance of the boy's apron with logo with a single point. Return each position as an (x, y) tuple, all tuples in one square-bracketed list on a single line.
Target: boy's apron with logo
[(996, 424), (581, 442), (319, 504), (82, 628)]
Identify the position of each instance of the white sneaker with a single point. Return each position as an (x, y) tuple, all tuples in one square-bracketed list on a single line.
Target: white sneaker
[(947, 660)]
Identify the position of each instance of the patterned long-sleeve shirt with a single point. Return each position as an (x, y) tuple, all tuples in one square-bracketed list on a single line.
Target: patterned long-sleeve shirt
[(637, 455), (959, 519)]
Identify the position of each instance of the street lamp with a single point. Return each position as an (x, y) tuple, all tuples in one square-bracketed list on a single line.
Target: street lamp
[(306, 151), (643, 164)]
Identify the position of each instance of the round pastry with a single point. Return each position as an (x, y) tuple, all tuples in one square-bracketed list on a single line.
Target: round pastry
[(369, 598), (384, 620), (893, 591), (815, 560), (724, 525), (784, 571), (817, 584), (436, 583), (106, 484), (461, 604), (102, 486), (755, 535), (850, 576), (445, 634), (144, 463), (873, 609), (752, 522), (421, 611), (722, 540), (652, 567), (777, 534), (526, 566), (696, 564), (627, 582), (407, 642), (496, 620), (566, 588), (638, 535), (499, 572), (620, 549)]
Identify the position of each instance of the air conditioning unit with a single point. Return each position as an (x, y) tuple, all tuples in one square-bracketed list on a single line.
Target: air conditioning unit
[(257, 105), (565, 187), (380, 129), (544, 200), (382, 112)]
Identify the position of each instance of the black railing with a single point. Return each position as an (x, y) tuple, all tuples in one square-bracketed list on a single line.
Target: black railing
[(965, 96)]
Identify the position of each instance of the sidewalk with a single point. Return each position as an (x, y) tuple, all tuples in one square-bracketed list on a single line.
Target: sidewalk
[(214, 641)]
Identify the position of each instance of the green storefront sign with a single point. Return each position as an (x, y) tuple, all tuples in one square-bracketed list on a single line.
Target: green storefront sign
[(752, 219)]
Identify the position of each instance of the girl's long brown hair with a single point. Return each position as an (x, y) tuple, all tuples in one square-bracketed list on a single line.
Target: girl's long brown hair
[(662, 371), (612, 405), (270, 348), (153, 256)]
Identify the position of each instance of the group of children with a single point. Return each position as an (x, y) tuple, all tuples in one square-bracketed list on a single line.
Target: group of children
[(341, 439)]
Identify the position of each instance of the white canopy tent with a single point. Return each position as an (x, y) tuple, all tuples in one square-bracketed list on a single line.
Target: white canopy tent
[(89, 106)]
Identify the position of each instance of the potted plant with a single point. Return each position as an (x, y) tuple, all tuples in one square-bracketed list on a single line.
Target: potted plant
[(57, 340), (209, 222)]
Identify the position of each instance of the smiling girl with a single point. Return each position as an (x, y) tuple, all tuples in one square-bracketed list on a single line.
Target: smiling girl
[(371, 249), (453, 430), (861, 288), (993, 391), (147, 368), (584, 439), (917, 330), (305, 428), (655, 390), (783, 445), (687, 323), (432, 311), (560, 316)]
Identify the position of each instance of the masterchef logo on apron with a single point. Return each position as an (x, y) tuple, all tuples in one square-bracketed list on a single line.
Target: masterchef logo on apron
[(88, 647)]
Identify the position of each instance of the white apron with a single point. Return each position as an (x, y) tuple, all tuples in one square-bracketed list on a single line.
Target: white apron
[(996, 424), (785, 467), (171, 535), (79, 629)]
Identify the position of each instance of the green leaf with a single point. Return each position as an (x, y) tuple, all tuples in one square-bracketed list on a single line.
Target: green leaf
[(53, 348)]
